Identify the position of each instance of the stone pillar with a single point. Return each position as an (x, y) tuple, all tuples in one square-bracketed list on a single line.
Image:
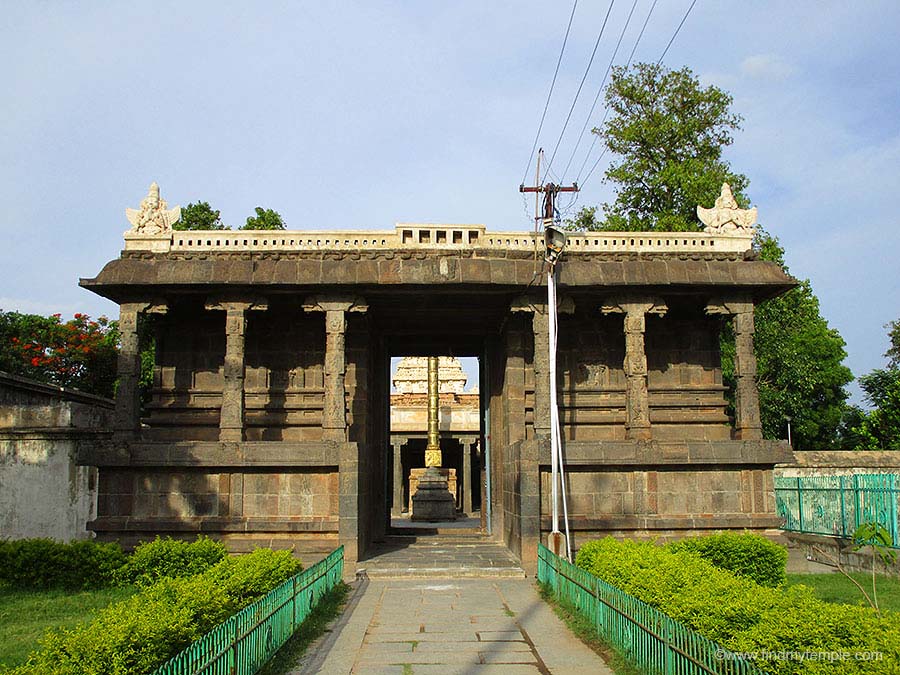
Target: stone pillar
[(467, 483), (540, 326), (334, 413), (231, 415), (637, 397), (128, 403), (747, 422), (397, 500)]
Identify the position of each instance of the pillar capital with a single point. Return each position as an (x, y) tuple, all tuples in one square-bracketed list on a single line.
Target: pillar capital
[(634, 307), (524, 303), (236, 304), (335, 303), (730, 306)]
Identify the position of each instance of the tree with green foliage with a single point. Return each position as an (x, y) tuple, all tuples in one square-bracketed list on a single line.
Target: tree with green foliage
[(265, 219), (80, 353), (668, 133), (878, 428), (199, 216), (800, 371)]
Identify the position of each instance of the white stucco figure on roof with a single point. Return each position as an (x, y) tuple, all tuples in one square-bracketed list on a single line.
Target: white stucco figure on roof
[(725, 217), (154, 215)]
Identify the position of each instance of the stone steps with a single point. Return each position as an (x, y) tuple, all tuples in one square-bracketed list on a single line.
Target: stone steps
[(457, 555)]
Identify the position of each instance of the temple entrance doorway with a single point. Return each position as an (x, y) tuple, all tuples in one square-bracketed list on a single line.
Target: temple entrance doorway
[(457, 431)]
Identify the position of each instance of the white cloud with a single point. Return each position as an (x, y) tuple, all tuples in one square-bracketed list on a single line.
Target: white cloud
[(769, 67)]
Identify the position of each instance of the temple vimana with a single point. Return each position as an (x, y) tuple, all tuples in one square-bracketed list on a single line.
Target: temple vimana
[(275, 416)]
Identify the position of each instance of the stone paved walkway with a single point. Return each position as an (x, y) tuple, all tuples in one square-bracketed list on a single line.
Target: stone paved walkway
[(449, 626)]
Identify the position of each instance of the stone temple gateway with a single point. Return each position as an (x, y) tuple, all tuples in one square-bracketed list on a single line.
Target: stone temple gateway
[(268, 419)]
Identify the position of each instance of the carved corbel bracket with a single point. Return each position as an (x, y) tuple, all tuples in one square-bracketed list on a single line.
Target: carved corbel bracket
[(326, 303), (634, 305), (564, 305), (729, 306), (226, 303)]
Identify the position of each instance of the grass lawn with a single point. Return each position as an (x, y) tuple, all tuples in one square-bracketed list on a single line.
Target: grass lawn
[(26, 615), (835, 587)]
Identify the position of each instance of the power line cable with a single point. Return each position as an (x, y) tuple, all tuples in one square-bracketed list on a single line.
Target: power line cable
[(606, 112), (677, 30), (578, 92), (600, 88), (665, 51), (550, 93)]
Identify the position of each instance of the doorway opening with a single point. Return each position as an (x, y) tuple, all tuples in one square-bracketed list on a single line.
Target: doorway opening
[(460, 424)]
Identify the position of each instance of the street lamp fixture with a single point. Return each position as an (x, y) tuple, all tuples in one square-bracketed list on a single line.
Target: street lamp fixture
[(555, 242)]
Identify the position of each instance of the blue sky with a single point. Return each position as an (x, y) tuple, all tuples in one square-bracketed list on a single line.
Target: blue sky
[(350, 114)]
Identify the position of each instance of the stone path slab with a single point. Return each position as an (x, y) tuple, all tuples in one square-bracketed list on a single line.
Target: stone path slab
[(449, 626)]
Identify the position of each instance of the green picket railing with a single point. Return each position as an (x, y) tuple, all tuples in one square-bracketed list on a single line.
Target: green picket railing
[(651, 640), (243, 643), (837, 505)]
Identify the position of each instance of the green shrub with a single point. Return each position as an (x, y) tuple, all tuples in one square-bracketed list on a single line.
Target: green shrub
[(44, 563), (161, 558), (138, 635), (746, 555), (743, 616)]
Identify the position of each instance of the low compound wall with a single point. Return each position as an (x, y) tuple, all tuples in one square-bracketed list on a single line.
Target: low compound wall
[(816, 552), (43, 493)]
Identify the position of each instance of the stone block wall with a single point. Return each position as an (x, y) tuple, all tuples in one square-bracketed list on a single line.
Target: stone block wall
[(289, 507), (665, 490), (191, 495)]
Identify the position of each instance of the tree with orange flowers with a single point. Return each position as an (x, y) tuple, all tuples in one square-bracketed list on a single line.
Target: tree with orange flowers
[(79, 353)]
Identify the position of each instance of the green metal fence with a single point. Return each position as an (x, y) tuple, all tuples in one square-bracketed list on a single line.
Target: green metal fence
[(837, 505), (649, 639), (243, 643)]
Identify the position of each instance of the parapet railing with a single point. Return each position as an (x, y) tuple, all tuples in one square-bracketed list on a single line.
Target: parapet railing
[(836, 505), (651, 640), (432, 237), (242, 644)]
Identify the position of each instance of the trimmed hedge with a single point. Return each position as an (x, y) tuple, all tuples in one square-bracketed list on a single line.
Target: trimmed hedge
[(160, 558), (745, 617), (43, 563), (746, 555), (138, 635)]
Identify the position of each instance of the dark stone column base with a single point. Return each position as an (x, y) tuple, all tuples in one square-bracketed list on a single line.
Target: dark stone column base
[(433, 501)]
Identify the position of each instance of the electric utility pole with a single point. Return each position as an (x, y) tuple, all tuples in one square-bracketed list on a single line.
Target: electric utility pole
[(555, 241), (550, 190)]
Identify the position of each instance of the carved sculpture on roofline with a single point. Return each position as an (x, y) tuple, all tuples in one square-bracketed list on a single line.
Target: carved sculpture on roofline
[(725, 217), (154, 216)]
